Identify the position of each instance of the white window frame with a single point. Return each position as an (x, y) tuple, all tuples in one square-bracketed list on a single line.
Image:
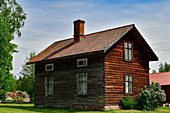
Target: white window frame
[(81, 60), (83, 92), (47, 91), (46, 65), (129, 51), (128, 82)]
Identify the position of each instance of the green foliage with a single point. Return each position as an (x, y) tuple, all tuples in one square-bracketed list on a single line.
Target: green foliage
[(13, 14), (12, 19), (26, 77), (25, 92), (153, 71), (29, 108), (17, 99), (127, 103), (164, 67), (151, 96)]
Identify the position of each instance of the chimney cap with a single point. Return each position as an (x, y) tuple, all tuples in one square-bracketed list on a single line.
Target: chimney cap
[(79, 20)]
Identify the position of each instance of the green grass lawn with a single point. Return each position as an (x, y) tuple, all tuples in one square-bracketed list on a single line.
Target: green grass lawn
[(28, 108)]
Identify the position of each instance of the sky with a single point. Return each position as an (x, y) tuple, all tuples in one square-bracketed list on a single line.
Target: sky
[(52, 20)]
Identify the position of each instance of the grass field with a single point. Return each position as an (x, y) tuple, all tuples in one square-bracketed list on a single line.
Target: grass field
[(28, 108)]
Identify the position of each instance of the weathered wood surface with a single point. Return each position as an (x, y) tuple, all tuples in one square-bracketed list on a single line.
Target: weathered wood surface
[(65, 82), (115, 67)]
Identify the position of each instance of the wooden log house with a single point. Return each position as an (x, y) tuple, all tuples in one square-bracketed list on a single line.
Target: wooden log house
[(92, 71)]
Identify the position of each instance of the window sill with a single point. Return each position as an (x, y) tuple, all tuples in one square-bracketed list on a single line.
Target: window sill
[(128, 61), (129, 94), (82, 66), (81, 95), (49, 95)]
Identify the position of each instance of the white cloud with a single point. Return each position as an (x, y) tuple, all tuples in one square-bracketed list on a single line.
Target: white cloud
[(49, 21)]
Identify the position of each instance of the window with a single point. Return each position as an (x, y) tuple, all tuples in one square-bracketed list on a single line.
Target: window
[(48, 86), (128, 51), (82, 62), (49, 67), (82, 84), (128, 84)]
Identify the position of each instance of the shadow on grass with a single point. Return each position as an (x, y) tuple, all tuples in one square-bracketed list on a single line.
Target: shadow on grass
[(45, 110)]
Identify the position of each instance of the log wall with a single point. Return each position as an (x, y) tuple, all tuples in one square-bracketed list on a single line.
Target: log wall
[(115, 67), (65, 83)]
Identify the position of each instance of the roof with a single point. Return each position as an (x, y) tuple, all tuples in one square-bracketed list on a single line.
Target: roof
[(99, 41), (162, 78)]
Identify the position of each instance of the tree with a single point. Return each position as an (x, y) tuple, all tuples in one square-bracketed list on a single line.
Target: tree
[(26, 76), (12, 19), (164, 67), (153, 71)]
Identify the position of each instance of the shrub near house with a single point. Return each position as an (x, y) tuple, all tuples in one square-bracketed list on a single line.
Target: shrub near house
[(151, 97)]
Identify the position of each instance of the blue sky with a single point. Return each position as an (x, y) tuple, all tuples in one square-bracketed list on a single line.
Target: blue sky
[(51, 20)]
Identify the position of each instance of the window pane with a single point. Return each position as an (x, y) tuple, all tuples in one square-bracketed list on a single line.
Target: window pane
[(50, 87), (126, 87), (84, 62), (84, 77), (130, 78), (49, 67), (47, 92), (130, 45), (80, 63), (125, 44), (50, 81), (80, 78), (84, 88), (130, 54), (79, 88), (82, 83), (130, 87), (47, 81), (126, 78), (126, 54), (50, 92)]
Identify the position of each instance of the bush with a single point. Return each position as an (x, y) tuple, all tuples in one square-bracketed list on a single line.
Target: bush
[(25, 92), (17, 99), (127, 103), (151, 96)]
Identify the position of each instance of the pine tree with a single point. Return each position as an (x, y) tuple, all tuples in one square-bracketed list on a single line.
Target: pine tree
[(26, 76)]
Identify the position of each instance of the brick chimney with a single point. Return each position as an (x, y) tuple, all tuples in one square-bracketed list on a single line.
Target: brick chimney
[(78, 30)]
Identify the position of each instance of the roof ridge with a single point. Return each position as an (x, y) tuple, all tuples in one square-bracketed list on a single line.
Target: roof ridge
[(96, 32), (110, 29), (63, 40), (160, 72)]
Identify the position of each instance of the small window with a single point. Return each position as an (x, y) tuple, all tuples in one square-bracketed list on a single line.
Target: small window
[(128, 84), (49, 67), (82, 84), (82, 62), (48, 86), (128, 51)]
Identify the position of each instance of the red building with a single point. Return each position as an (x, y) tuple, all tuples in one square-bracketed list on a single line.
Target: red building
[(164, 80)]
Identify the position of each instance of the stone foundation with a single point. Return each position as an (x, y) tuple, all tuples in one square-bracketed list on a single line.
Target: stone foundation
[(73, 107), (82, 107), (112, 107)]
